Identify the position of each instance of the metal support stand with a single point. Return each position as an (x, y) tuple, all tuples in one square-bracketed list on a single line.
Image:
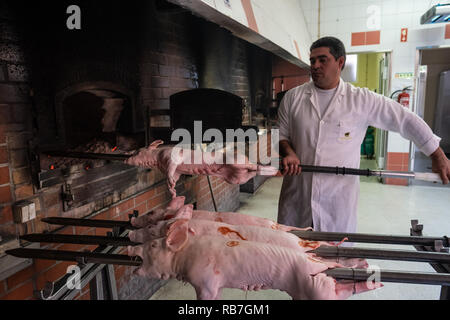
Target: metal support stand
[(103, 286), (416, 230), (100, 277)]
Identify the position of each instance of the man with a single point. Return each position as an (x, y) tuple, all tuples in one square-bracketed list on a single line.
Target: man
[(323, 123)]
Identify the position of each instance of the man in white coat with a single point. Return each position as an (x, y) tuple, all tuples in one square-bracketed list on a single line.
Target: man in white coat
[(323, 123)]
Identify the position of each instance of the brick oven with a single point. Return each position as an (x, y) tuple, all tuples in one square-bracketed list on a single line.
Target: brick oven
[(104, 88)]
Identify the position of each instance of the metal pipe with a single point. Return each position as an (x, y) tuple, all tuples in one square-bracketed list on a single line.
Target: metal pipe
[(85, 257), (89, 223), (79, 239), (383, 254), (369, 238), (390, 276), (88, 155)]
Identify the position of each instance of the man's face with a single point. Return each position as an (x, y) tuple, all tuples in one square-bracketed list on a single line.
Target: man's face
[(325, 69)]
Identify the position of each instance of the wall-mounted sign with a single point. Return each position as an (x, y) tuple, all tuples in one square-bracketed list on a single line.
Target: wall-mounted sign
[(404, 35), (404, 75)]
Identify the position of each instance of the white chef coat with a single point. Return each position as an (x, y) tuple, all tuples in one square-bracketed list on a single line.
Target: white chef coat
[(329, 202)]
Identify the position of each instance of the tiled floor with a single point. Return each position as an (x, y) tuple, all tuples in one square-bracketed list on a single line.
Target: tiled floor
[(383, 209)]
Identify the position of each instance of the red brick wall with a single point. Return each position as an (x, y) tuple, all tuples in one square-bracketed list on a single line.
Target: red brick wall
[(397, 161), (293, 75), (167, 65)]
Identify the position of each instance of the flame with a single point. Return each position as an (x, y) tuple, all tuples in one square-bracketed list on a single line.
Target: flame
[(114, 149), (87, 167), (52, 167)]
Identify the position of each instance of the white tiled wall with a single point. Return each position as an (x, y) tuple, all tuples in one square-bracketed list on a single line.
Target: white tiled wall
[(339, 18)]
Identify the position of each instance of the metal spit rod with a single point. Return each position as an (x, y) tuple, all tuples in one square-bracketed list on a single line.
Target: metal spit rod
[(77, 239), (383, 254), (430, 278), (323, 251), (89, 223), (369, 238), (338, 273), (85, 257), (425, 176), (88, 155)]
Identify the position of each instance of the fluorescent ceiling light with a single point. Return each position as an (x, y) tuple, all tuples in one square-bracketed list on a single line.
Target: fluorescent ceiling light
[(438, 13)]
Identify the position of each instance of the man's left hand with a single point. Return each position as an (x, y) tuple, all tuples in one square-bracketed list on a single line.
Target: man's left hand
[(441, 165)]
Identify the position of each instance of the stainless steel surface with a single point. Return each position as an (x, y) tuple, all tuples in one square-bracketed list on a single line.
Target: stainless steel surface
[(369, 238), (390, 276), (382, 254)]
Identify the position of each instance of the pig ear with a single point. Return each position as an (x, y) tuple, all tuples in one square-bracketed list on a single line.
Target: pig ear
[(176, 203), (177, 235), (178, 223), (185, 212), (155, 144)]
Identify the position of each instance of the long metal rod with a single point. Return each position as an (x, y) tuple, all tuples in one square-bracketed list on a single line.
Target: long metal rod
[(338, 273), (89, 223), (425, 176), (356, 172), (88, 155), (369, 238), (390, 276), (79, 239), (381, 254), (86, 257)]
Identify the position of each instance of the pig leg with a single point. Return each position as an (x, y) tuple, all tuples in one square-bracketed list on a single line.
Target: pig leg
[(207, 292), (346, 289)]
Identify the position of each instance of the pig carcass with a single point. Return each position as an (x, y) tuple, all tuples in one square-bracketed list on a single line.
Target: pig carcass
[(210, 263), (199, 227), (175, 161), (233, 218)]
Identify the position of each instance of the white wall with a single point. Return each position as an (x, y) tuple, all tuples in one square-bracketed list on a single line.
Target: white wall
[(340, 18), (280, 21)]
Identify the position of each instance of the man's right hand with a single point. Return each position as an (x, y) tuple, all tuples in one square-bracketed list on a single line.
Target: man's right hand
[(291, 165)]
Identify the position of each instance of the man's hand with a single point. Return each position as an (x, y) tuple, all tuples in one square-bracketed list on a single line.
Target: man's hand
[(441, 165), (291, 165), (290, 162)]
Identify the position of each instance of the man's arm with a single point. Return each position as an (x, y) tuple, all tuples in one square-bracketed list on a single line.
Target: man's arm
[(290, 160), (389, 115)]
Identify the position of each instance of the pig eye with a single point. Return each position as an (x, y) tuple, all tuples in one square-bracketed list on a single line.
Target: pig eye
[(154, 244)]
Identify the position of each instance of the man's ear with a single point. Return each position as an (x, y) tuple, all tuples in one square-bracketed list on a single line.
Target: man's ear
[(341, 61), (177, 235)]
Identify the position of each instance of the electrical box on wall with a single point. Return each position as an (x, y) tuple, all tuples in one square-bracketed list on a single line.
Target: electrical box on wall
[(24, 211)]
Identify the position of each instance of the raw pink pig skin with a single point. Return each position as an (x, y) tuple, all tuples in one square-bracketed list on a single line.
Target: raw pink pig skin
[(200, 227), (210, 263), (159, 214), (174, 161), (233, 218)]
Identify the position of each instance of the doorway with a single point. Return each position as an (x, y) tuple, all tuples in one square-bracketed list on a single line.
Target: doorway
[(431, 103), (372, 70)]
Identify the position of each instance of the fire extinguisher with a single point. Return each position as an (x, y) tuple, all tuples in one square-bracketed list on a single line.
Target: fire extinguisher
[(403, 97)]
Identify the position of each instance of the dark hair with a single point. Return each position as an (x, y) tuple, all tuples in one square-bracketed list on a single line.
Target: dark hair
[(335, 45)]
